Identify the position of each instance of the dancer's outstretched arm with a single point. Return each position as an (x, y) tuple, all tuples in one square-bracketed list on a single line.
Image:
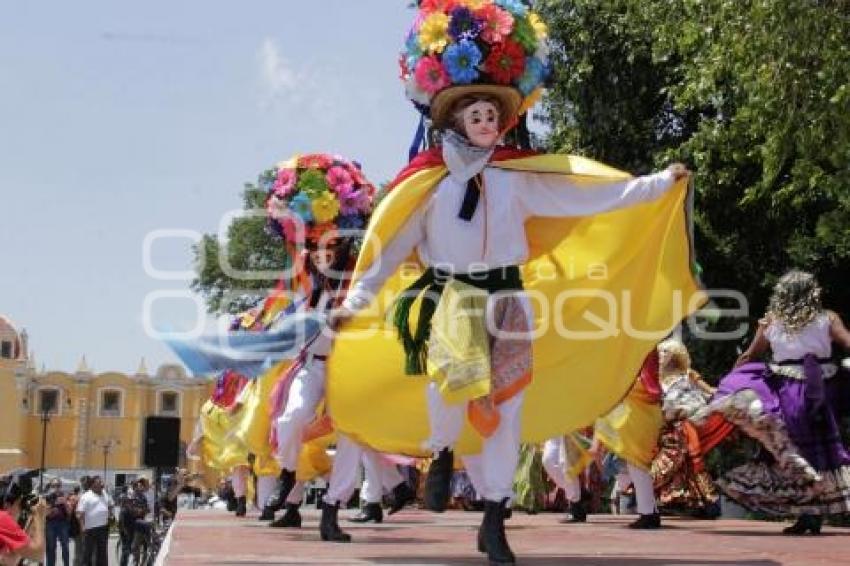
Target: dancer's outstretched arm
[(758, 346)]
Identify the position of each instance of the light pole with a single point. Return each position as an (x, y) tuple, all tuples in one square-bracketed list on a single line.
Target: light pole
[(45, 419), (106, 445)]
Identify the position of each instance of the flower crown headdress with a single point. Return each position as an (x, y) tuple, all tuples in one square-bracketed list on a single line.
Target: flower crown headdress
[(462, 43)]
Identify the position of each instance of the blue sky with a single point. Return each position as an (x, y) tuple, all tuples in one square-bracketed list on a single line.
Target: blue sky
[(119, 118)]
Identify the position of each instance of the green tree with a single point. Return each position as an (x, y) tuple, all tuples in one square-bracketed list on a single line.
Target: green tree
[(752, 94), (249, 248)]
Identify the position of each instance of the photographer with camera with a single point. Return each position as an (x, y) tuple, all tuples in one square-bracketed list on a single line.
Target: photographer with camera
[(58, 522), (22, 518)]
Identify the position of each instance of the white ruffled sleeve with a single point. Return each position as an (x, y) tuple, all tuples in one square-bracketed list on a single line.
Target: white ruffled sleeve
[(545, 194)]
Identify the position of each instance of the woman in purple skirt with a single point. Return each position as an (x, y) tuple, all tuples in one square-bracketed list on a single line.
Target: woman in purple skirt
[(809, 393)]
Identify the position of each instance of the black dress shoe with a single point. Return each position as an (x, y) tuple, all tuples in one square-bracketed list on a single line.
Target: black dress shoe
[(403, 495), (291, 519), (329, 526), (369, 512), (577, 513), (438, 482), (651, 521), (267, 514)]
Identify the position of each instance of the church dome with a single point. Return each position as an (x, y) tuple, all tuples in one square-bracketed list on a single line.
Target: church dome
[(11, 344)]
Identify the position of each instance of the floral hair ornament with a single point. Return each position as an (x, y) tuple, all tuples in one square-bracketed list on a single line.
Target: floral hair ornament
[(311, 197), (460, 47)]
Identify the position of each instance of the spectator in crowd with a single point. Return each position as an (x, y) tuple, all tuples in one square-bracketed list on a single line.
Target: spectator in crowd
[(94, 510), (75, 530), (18, 543), (58, 522), (133, 520)]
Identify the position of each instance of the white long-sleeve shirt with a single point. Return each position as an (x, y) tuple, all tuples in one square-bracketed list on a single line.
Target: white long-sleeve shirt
[(495, 237)]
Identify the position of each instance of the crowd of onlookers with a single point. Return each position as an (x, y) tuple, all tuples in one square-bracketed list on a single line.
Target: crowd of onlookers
[(39, 526)]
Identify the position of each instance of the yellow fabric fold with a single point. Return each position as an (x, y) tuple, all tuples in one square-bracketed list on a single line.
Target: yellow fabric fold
[(459, 348), (631, 430), (598, 276)]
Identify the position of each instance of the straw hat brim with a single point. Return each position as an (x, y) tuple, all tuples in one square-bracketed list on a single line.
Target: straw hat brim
[(441, 106)]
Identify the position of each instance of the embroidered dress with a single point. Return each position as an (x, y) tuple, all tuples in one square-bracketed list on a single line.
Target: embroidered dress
[(808, 394)]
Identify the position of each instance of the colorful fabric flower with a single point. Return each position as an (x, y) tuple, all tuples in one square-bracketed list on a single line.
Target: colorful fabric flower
[(314, 161), (497, 23), (354, 201), (524, 35), (284, 181), (430, 75), (312, 183), (302, 206), (350, 222), (325, 208), (506, 62), (535, 72), (434, 33), (463, 25), (515, 7), (413, 51), (445, 6), (461, 60), (321, 232), (539, 26), (473, 4), (338, 177)]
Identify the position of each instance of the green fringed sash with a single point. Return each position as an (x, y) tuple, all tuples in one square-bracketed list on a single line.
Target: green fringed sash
[(430, 287)]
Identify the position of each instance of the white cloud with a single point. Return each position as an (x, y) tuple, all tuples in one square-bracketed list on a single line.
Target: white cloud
[(279, 79)]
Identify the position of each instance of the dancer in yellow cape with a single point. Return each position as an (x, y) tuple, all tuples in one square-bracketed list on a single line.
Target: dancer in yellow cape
[(509, 243)]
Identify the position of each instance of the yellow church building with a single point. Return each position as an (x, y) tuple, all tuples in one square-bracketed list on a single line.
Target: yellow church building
[(88, 421)]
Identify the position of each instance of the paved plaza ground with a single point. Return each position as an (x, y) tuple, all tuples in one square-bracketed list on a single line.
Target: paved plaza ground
[(419, 537)]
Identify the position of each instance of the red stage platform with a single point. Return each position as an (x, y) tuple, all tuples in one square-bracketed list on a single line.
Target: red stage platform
[(419, 537)]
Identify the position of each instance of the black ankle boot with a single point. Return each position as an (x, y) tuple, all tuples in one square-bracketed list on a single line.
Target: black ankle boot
[(491, 534), (267, 514), (241, 506), (403, 495), (291, 519), (277, 498), (329, 526), (438, 482), (577, 513), (651, 521), (805, 523), (369, 512)]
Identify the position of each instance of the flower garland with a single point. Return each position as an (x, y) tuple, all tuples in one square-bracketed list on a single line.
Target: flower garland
[(459, 42), (312, 195)]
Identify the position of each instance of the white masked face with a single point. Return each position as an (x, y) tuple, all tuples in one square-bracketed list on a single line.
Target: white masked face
[(481, 124), (323, 260)]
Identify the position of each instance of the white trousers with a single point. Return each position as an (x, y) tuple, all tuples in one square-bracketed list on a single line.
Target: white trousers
[(305, 393), (644, 490), (345, 474), (239, 479), (379, 476), (556, 465), (493, 468), (296, 494), (265, 486)]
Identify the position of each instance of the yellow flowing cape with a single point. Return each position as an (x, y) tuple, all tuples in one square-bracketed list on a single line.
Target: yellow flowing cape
[(605, 289), (230, 436)]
